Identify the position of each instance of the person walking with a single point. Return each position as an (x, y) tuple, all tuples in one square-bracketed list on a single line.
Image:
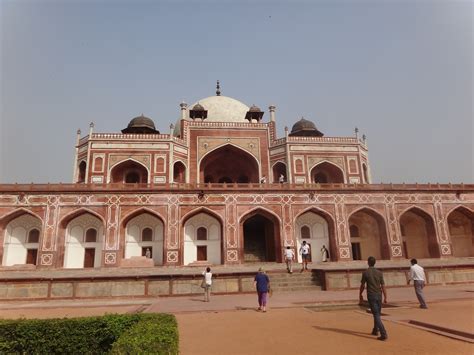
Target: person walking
[(289, 257), (262, 285), (375, 288), (304, 251), (417, 274), (207, 283), (324, 254)]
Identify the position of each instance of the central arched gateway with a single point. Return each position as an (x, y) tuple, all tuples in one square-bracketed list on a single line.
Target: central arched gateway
[(261, 237), (129, 172), (228, 164)]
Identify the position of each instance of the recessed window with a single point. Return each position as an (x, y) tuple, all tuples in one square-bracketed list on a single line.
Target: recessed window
[(33, 236), (305, 232), (91, 235), (202, 233), (352, 166), (299, 166), (147, 235), (132, 178), (354, 231)]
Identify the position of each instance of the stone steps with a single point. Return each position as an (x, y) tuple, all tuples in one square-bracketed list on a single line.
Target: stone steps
[(283, 281)]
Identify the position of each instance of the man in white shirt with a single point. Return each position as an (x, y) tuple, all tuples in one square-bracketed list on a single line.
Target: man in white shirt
[(417, 274), (304, 251), (289, 257)]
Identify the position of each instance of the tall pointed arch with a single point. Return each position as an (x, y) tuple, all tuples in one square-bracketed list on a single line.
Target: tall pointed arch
[(229, 164), (322, 233), (418, 234), (368, 232), (260, 236), (461, 231), (202, 237), (326, 172)]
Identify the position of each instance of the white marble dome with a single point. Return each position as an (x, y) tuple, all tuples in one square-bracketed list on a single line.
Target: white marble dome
[(219, 109), (223, 109)]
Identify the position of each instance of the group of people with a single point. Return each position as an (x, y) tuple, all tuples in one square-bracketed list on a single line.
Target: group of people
[(372, 279), (305, 252), (281, 179)]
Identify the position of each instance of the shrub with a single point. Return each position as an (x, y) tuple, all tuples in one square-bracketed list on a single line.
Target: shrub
[(157, 335), (91, 335)]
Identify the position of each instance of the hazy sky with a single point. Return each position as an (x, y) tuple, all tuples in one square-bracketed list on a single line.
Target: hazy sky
[(401, 71)]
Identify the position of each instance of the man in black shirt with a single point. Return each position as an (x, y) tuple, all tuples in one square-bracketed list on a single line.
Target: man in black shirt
[(375, 287)]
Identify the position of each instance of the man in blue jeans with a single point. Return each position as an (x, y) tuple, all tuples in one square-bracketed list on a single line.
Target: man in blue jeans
[(375, 287)]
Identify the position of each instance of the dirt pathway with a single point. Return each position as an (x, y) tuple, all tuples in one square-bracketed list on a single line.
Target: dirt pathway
[(303, 331)]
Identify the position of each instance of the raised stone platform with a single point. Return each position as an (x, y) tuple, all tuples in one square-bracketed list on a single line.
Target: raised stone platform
[(142, 282)]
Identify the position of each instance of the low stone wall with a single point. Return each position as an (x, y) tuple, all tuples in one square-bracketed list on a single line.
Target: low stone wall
[(107, 285), (396, 277), (111, 287)]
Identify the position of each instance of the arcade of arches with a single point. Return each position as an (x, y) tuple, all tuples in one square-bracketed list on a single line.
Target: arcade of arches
[(81, 237), (229, 164)]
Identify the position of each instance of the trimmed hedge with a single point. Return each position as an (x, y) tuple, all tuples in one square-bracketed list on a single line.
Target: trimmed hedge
[(149, 337), (91, 335)]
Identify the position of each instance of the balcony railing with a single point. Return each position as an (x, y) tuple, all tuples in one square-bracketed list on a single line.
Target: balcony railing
[(130, 136), (297, 139)]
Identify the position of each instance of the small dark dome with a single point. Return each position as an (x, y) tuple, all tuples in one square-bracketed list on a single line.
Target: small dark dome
[(255, 109), (305, 128), (198, 107), (141, 124)]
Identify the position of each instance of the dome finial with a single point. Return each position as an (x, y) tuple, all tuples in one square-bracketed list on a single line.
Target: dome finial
[(218, 89)]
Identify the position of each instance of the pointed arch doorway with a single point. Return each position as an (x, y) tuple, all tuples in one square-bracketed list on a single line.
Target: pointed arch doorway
[(261, 237)]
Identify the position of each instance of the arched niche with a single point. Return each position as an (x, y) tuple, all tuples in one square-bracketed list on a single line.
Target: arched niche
[(83, 242), (368, 235), (229, 164), (260, 231), (179, 172), (279, 170), (461, 231), (327, 173), (21, 240), (202, 239), (144, 235), (418, 234), (317, 230), (129, 172)]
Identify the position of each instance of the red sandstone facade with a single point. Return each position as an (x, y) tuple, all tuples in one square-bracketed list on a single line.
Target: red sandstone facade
[(222, 188)]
